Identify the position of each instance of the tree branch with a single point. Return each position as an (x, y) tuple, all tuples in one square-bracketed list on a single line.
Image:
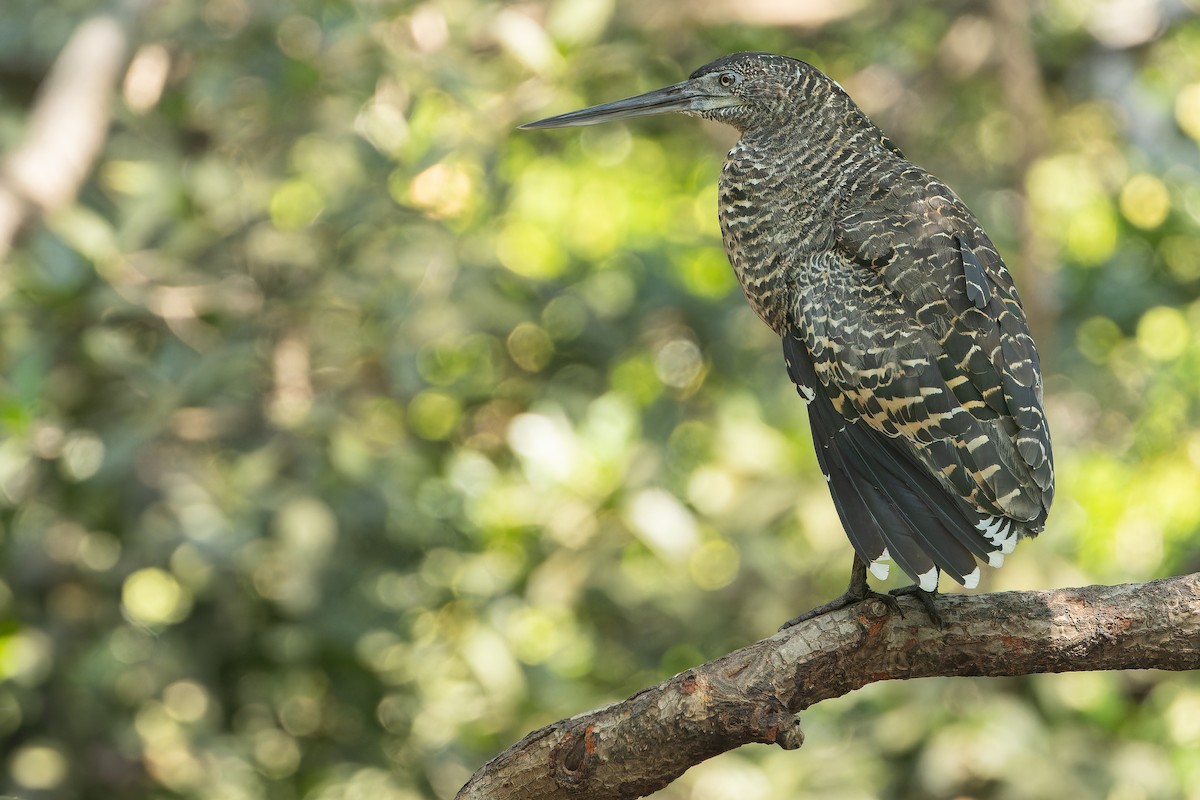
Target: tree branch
[(67, 125), (638, 746)]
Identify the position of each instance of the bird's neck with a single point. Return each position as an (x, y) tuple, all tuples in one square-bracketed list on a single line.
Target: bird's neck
[(824, 145), (782, 187)]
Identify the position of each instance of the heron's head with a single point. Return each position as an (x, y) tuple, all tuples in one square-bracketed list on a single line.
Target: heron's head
[(743, 90)]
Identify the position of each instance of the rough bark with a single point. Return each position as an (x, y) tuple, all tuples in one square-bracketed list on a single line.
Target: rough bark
[(637, 746)]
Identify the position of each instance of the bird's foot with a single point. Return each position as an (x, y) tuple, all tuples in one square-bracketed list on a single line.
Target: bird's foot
[(926, 599), (851, 596)]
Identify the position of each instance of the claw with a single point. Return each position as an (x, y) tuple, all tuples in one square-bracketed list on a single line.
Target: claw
[(926, 599), (856, 592)]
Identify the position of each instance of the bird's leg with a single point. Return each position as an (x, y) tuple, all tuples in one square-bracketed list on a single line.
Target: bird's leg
[(856, 592), (926, 599)]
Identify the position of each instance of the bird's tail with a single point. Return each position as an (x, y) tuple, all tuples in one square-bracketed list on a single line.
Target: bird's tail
[(891, 507)]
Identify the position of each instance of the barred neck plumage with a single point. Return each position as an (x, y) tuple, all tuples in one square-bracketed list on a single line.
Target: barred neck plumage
[(831, 152)]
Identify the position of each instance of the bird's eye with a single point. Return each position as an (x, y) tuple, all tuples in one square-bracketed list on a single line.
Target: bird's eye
[(727, 79)]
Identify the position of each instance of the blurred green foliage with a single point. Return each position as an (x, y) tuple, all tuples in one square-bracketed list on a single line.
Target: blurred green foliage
[(347, 434)]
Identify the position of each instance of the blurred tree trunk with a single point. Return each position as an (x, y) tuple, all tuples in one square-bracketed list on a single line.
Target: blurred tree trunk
[(68, 124), (640, 745), (1025, 104)]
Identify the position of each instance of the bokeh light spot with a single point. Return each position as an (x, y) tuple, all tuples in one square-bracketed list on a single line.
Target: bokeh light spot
[(26, 656), (429, 30), (277, 754), (99, 551), (130, 645), (1182, 256), (524, 39), (299, 37), (38, 767), (537, 633), (300, 714), (565, 317), (1145, 201), (637, 377), (528, 250), (186, 701), (296, 204), (1187, 110), (307, 529), (547, 446), (610, 292), (1163, 333), (1097, 337), (82, 455), (663, 523), (706, 273), (711, 490), (579, 21), (714, 565), (434, 415), (443, 191), (530, 347), (679, 363), (153, 597), (146, 77), (1183, 718), (1092, 234)]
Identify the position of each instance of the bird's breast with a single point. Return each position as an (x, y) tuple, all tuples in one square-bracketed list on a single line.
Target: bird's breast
[(770, 223)]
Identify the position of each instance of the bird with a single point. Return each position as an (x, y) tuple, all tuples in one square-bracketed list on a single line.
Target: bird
[(901, 326)]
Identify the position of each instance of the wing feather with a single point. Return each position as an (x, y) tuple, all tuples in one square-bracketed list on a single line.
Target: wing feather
[(919, 344)]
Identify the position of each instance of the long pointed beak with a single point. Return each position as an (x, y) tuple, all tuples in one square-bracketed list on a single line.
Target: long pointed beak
[(684, 96)]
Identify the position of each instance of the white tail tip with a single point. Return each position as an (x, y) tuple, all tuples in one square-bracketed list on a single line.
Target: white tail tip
[(972, 580), (929, 580)]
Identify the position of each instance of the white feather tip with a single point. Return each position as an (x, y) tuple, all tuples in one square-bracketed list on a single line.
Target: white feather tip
[(972, 580), (929, 580)]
